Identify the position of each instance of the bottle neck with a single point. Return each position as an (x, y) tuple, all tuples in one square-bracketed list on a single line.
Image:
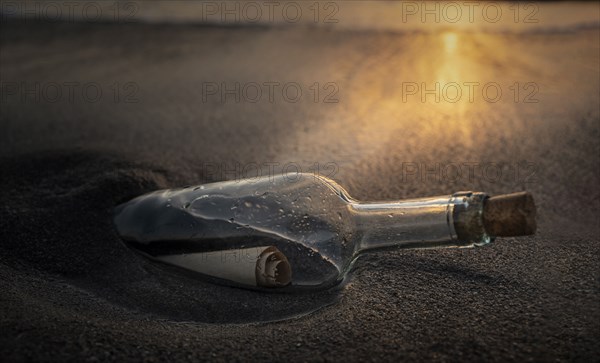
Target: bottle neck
[(448, 221)]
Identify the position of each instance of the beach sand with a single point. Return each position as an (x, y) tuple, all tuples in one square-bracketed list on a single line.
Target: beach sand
[(69, 289)]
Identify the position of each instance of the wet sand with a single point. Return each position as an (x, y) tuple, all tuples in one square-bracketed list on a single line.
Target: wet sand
[(69, 289)]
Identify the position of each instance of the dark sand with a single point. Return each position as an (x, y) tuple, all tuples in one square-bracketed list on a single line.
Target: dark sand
[(69, 289)]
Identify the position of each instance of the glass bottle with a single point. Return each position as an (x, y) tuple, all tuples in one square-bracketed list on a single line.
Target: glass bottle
[(286, 234)]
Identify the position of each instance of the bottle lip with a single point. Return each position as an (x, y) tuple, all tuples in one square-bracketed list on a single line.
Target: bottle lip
[(466, 218)]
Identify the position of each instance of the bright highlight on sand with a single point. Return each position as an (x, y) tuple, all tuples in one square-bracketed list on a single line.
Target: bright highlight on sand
[(450, 41)]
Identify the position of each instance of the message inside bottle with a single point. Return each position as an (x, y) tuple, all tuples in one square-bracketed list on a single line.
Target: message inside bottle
[(264, 266)]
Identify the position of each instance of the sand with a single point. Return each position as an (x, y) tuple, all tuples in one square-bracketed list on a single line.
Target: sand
[(70, 290)]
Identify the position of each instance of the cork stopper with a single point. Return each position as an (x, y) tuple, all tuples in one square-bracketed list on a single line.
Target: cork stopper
[(510, 215)]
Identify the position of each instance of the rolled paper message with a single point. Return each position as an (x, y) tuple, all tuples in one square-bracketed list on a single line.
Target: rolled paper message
[(262, 266)]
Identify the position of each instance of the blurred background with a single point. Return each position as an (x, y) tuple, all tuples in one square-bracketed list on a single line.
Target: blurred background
[(101, 101)]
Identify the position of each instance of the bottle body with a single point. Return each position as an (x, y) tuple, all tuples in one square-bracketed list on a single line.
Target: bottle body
[(311, 220)]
